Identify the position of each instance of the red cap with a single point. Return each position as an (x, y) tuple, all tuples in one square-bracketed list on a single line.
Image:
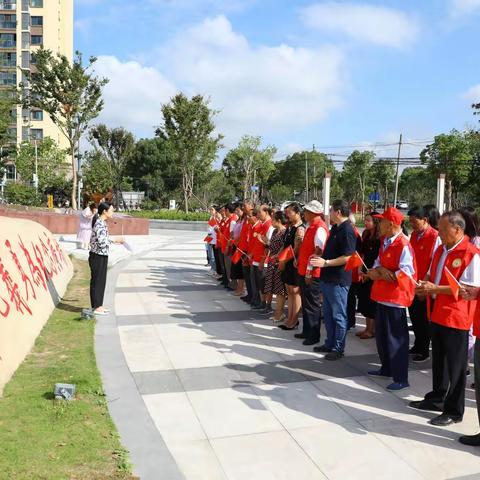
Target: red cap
[(392, 215)]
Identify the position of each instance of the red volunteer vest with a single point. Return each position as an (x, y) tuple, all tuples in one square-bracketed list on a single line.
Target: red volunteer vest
[(446, 310), (244, 234), (307, 247), (221, 234), (355, 273), (423, 248), (258, 248), (226, 231), (388, 292)]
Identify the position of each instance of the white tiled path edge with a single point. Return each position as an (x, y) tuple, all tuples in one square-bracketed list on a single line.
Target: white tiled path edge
[(193, 423)]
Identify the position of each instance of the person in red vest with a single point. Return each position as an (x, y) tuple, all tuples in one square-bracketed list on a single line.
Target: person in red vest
[(354, 290), (424, 241), (470, 292), (451, 320), (243, 244), (261, 233), (391, 330), (221, 243), (309, 277), (231, 220)]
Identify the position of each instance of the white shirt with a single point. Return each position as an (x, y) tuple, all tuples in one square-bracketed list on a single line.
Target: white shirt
[(471, 274), (405, 263), (320, 238)]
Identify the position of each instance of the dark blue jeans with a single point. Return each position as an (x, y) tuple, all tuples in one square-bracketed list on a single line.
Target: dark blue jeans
[(391, 334), (335, 315)]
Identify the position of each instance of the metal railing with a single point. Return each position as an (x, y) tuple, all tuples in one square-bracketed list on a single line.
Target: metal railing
[(8, 6)]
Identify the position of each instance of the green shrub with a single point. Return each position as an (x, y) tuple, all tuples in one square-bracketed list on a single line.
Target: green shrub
[(20, 194), (149, 204), (172, 215)]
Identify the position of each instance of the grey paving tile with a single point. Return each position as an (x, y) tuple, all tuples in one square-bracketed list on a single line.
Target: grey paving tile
[(164, 381), (199, 317), (171, 288), (363, 363), (208, 378)]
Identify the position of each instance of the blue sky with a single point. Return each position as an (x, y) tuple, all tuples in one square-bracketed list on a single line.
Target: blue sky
[(296, 72)]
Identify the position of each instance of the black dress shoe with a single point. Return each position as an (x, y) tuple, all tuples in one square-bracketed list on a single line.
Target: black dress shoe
[(444, 420), (300, 335), (472, 440), (284, 327), (245, 298), (322, 349), (425, 405), (308, 341), (334, 355)]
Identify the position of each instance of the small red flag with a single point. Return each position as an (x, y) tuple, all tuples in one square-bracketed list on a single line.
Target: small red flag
[(405, 281), (208, 239), (453, 282), (354, 261), (286, 254), (236, 257)]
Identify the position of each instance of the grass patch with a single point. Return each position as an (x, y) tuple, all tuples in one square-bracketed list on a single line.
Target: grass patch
[(41, 438), (171, 215)]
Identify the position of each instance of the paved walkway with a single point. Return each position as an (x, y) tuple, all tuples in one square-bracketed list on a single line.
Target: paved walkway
[(201, 388)]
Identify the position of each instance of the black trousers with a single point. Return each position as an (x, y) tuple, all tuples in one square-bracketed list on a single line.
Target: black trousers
[(353, 293), (98, 267), (476, 362), (421, 326), (224, 268), (391, 335), (248, 281), (218, 266), (311, 308), (449, 368), (257, 280)]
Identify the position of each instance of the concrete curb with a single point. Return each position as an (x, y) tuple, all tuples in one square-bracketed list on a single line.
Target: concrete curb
[(150, 456)]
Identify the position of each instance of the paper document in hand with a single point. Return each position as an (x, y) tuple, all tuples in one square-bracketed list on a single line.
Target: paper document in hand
[(128, 246)]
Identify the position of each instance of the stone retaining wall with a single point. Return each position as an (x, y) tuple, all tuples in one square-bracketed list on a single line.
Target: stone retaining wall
[(34, 274)]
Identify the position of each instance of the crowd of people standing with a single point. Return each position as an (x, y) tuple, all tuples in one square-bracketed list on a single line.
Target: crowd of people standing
[(316, 272)]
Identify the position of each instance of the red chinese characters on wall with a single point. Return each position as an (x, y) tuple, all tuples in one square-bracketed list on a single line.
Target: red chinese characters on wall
[(18, 289)]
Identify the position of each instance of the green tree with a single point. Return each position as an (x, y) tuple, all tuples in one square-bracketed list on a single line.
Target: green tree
[(152, 170), (50, 159), (188, 128), (116, 145), (7, 106), (279, 193), (249, 164), (355, 176), (71, 96), (449, 154), (417, 186), (216, 190), (382, 176), (96, 173), (292, 172)]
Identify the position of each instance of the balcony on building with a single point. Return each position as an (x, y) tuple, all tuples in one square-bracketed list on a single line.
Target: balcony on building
[(8, 60), (6, 5), (8, 21), (8, 40)]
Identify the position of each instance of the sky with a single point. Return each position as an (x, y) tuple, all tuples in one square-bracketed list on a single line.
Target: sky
[(334, 74)]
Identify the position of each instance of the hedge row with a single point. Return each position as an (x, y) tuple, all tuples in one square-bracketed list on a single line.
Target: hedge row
[(171, 215)]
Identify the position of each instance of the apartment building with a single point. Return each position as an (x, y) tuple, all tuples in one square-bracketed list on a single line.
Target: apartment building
[(25, 26)]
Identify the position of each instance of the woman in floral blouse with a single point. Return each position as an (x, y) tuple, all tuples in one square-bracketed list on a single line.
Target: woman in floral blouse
[(98, 259)]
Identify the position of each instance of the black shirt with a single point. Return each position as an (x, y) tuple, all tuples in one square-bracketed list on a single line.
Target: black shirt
[(342, 241)]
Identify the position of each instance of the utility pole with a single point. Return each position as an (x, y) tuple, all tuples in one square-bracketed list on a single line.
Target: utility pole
[(395, 198), (306, 178)]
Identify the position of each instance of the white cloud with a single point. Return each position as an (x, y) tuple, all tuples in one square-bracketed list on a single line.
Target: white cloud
[(257, 89), (461, 8), (133, 96), (473, 94), (367, 23)]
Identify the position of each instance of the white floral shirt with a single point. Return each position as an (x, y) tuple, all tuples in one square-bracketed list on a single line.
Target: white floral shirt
[(100, 240)]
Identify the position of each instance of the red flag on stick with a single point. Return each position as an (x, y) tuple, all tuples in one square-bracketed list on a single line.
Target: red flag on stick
[(286, 254), (354, 261), (236, 257), (208, 239), (453, 282), (405, 281)]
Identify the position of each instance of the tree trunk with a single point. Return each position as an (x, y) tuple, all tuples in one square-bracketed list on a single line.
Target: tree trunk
[(449, 193), (74, 178)]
